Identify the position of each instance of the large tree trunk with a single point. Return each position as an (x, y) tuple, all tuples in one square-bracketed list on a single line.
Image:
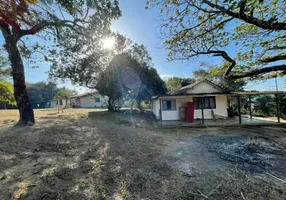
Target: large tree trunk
[(20, 93), (139, 106), (110, 105)]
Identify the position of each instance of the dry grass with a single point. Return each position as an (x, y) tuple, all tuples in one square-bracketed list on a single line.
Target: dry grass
[(93, 154)]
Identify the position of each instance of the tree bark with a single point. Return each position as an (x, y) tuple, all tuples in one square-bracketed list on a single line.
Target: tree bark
[(26, 113), (110, 105), (139, 106)]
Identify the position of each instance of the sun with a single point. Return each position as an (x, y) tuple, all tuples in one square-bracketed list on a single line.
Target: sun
[(108, 43)]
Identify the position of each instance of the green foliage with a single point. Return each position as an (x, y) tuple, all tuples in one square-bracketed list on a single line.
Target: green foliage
[(4, 69), (64, 93), (7, 93), (265, 105), (175, 83), (255, 29), (41, 93), (99, 72), (109, 82)]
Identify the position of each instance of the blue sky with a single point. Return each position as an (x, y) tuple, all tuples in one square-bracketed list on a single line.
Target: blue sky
[(142, 26)]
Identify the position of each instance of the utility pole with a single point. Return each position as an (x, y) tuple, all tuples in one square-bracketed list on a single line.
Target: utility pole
[(276, 84)]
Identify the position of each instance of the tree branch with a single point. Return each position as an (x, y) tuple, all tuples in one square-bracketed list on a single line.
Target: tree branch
[(273, 58), (268, 25), (259, 71), (224, 55)]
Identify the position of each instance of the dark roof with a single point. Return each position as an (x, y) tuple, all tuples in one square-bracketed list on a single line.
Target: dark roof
[(188, 87)]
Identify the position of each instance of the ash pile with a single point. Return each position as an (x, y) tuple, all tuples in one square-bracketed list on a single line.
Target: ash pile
[(253, 154)]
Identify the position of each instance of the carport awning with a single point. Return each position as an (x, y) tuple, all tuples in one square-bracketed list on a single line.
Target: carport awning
[(209, 94), (254, 93)]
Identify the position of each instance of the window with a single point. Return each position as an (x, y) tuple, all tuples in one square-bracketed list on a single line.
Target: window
[(169, 104), (97, 99), (207, 102)]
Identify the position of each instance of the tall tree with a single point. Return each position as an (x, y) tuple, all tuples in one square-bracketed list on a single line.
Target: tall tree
[(109, 82), (255, 29), (40, 93), (67, 24), (94, 71)]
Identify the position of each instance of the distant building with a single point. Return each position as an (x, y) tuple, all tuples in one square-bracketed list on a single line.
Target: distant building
[(88, 100)]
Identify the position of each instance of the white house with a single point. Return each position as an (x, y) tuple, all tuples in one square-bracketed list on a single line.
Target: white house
[(89, 100), (202, 98)]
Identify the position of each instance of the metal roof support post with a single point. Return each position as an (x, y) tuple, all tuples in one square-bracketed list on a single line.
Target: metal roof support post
[(161, 112), (202, 104), (239, 109), (250, 107), (277, 107)]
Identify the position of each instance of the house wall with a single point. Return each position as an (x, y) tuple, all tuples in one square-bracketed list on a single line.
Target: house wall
[(88, 101), (54, 104), (221, 108), (156, 108), (203, 87)]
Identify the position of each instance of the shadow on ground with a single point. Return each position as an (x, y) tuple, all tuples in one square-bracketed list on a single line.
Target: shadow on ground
[(102, 155)]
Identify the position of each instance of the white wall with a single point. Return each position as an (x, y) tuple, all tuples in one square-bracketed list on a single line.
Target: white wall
[(203, 87), (156, 108), (88, 101), (221, 108), (175, 114), (54, 104)]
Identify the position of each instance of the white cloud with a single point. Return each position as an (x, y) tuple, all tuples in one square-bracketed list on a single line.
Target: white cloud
[(166, 76)]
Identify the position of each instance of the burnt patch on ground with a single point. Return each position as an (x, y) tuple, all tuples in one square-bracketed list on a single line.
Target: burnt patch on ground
[(253, 154)]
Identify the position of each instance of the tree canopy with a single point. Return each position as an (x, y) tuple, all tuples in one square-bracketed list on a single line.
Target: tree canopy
[(175, 83), (249, 35), (65, 28), (40, 93)]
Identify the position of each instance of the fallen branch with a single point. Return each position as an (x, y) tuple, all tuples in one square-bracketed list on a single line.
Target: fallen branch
[(275, 177), (203, 194), (242, 196)]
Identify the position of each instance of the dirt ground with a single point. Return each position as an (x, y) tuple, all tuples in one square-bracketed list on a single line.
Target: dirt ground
[(94, 154)]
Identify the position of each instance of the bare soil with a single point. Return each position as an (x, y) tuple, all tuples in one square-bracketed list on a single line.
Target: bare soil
[(94, 154)]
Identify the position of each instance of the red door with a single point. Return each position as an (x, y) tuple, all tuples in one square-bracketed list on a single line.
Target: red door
[(190, 112)]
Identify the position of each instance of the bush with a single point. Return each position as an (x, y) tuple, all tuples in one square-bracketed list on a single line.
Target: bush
[(231, 111)]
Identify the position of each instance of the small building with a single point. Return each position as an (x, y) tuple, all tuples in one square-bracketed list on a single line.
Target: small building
[(201, 100), (89, 100), (191, 99), (53, 104)]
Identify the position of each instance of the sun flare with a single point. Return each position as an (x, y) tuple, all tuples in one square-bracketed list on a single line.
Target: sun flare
[(108, 43)]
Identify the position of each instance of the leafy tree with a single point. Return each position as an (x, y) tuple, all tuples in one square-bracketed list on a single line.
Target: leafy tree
[(175, 83), (6, 93), (255, 29), (41, 93), (65, 94), (65, 27), (265, 105), (4, 69), (109, 82), (151, 84), (95, 72)]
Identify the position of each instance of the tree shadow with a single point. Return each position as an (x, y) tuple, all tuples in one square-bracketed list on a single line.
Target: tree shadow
[(84, 160)]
